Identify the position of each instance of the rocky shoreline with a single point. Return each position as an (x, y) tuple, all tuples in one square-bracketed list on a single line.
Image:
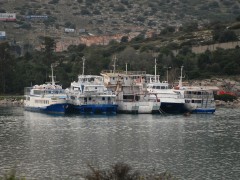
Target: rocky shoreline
[(11, 102)]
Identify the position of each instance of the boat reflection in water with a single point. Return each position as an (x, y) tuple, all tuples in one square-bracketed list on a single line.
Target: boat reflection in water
[(43, 146)]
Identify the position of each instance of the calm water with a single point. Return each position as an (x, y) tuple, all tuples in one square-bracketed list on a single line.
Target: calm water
[(198, 147)]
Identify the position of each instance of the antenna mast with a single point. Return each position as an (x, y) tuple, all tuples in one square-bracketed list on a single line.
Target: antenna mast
[(126, 68), (180, 80), (114, 63), (83, 58), (53, 82), (155, 67)]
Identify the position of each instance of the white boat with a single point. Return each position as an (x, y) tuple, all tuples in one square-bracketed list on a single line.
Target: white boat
[(198, 99), (48, 98), (131, 97), (89, 96), (172, 102)]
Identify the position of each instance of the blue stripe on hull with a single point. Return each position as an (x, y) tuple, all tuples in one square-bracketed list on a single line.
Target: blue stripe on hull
[(204, 111), (55, 108), (96, 109), (173, 108)]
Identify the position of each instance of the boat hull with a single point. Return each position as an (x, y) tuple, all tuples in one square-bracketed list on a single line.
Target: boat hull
[(148, 107), (95, 109), (54, 108), (173, 108), (127, 107)]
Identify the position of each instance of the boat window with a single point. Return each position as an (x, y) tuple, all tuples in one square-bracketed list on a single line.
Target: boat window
[(128, 97), (158, 87), (95, 87), (89, 98), (85, 99), (37, 92), (163, 87), (197, 101), (72, 97), (109, 98), (137, 98), (103, 98)]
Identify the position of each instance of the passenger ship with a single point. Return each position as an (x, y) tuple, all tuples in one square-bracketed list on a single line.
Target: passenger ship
[(48, 98), (131, 96), (172, 102), (89, 96), (198, 99)]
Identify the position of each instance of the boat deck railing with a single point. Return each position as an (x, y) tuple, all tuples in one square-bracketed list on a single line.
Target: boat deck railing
[(198, 96), (123, 72)]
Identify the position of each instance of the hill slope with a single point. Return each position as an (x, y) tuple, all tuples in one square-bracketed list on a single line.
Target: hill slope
[(99, 17)]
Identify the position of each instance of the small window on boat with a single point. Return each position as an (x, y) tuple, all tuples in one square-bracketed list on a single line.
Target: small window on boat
[(109, 98), (126, 78), (137, 98), (158, 87), (89, 98), (103, 98), (95, 87), (72, 97), (85, 99)]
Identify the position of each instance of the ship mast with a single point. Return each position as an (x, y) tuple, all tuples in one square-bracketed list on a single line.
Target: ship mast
[(180, 80), (155, 67), (83, 58), (53, 82), (126, 68), (114, 63)]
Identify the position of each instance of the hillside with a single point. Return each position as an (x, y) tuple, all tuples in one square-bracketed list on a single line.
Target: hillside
[(110, 19)]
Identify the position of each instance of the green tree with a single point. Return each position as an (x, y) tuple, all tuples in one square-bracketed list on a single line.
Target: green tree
[(49, 48), (4, 65), (224, 36)]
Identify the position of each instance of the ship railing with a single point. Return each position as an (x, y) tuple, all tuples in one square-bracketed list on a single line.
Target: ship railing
[(124, 72), (198, 96)]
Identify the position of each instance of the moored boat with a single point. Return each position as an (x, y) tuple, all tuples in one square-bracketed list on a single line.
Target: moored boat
[(48, 98), (198, 99), (172, 102), (89, 96), (130, 97)]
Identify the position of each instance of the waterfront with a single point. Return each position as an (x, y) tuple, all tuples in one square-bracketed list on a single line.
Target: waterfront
[(41, 146)]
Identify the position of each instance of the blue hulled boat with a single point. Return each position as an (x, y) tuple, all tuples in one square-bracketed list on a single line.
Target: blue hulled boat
[(47, 98)]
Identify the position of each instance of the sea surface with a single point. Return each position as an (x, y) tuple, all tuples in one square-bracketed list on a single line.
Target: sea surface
[(41, 146)]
